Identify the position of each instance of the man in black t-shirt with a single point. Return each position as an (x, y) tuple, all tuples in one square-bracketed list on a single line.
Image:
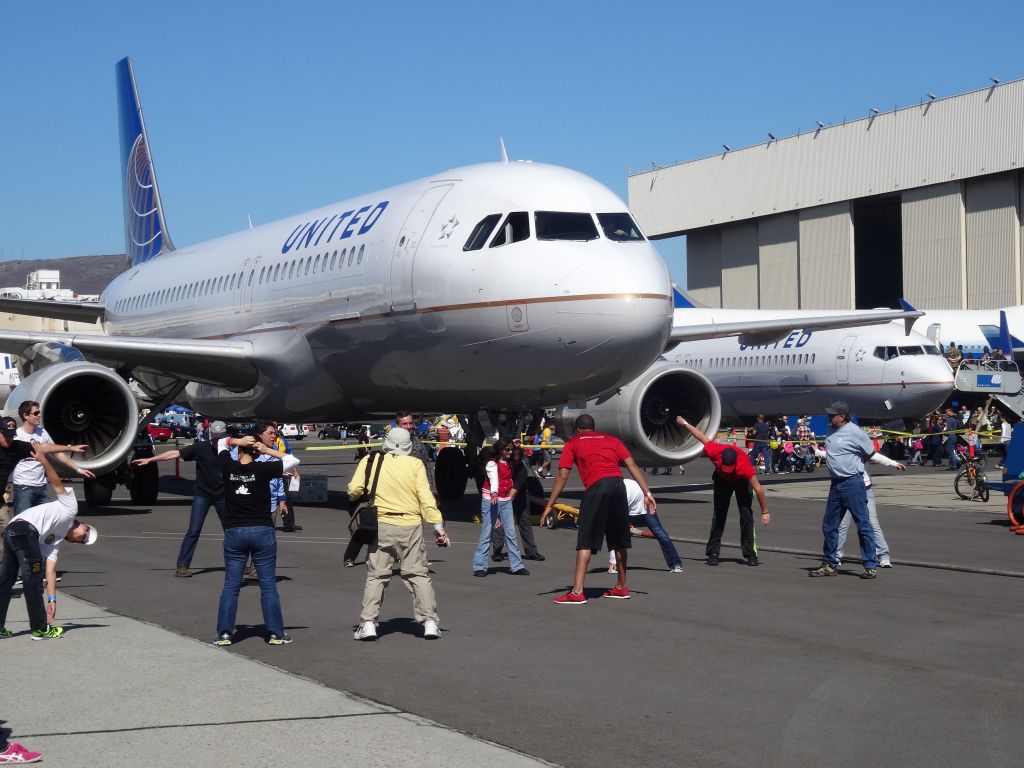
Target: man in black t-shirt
[(208, 491)]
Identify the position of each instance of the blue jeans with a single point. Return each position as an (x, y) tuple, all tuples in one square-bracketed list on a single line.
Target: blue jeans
[(200, 506), (848, 495), (21, 555), (260, 542), (764, 450), (27, 496), (668, 549), (488, 513), (881, 547)]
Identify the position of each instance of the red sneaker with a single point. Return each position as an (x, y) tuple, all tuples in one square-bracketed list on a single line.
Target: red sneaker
[(571, 598), (618, 594), (15, 754)]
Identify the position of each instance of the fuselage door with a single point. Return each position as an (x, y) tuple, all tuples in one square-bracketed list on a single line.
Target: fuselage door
[(237, 282), (408, 242), (843, 360), (249, 286), (934, 333)]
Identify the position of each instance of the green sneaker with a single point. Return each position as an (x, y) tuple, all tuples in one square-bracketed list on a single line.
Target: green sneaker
[(282, 639), (50, 633), (223, 639), (5, 633)]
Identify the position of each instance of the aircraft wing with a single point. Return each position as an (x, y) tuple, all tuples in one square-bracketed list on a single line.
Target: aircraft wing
[(758, 332), (79, 311), (225, 363)]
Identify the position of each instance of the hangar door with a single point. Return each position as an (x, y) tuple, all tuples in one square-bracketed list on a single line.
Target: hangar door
[(408, 242)]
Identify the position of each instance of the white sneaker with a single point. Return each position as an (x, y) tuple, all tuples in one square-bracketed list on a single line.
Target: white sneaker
[(885, 564), (676, 569), (367, 631), (613, 569), (430, 630)]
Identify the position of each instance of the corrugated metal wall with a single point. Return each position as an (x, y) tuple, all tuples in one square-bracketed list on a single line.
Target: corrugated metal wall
[(934, 266), (778, 255), (993, 241), (704, 266), (1020, 218), (949, 139), (739, 266), (826, 257)]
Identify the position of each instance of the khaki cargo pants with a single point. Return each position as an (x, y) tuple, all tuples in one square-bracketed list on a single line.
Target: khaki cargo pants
[(403, 545)]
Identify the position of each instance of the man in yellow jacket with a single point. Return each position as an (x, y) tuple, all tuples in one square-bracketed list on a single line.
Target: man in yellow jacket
[(403, 500)]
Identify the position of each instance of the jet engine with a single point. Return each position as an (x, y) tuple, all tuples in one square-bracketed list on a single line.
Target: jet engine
[(643, 414), (83, 402)]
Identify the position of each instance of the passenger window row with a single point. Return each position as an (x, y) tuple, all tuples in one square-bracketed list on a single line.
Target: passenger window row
[(752, 361), (321, 263), (551, 225)]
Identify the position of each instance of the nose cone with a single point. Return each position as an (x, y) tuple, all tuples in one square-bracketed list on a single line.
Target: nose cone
[(622, 315), (927, 383)]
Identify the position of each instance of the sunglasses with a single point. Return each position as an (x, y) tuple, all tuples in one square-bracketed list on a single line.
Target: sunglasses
[(34, 413)]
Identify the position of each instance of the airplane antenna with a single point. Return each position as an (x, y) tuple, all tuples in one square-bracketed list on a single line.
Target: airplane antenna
[(249, 216), (504, 154)]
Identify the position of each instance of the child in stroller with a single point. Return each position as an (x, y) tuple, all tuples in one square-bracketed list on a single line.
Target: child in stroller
[(803, 457)]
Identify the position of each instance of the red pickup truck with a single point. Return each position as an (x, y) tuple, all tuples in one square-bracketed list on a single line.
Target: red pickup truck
[(159, 432)]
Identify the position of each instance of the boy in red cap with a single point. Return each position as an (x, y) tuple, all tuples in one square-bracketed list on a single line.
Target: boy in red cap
[(733, 474)]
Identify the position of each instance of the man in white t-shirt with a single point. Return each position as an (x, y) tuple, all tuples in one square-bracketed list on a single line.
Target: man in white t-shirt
[(28, 477), (638, 515), (34, 538)]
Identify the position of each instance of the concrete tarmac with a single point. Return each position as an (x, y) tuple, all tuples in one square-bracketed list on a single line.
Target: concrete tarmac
[(723, 666)]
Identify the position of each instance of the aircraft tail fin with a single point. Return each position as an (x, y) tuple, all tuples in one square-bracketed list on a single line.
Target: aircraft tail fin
[(145, 229), (1005, 341), (680, 300)]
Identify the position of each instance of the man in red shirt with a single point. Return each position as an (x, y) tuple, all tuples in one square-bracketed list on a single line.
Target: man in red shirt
[(604, 511), (733, 474)]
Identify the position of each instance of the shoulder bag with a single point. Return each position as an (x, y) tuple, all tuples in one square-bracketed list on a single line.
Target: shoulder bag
[(363, 510)]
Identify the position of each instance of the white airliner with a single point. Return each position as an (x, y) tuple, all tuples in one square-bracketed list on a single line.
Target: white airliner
[(494, 288), (976, 330), (882, 371)]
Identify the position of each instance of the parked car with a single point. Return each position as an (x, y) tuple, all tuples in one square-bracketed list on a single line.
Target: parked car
[(332, 432), (160, 432), (293, 431)]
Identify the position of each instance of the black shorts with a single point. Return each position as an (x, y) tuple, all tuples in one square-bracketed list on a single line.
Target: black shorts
[(604, 514)]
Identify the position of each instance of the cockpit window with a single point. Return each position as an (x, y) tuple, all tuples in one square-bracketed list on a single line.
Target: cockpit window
[(619, 227), (556, 225), (514, 228), (886, 353), (911, 351), (931, 349), (481, 232)]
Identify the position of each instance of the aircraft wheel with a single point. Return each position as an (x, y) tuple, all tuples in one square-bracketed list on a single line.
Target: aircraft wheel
[(450, 473), (144, 485), (99, 490)]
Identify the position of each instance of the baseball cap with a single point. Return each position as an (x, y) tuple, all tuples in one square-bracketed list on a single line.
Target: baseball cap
[(91, 537), (838, 408), (218, 429), (728, 460)]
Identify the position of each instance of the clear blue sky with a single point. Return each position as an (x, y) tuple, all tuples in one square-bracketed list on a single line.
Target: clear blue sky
[(260, 110)]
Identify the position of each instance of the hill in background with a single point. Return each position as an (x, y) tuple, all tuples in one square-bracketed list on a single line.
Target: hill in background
[(82, 274)]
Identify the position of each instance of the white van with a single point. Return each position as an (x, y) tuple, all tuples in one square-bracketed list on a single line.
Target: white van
[(293, 431)]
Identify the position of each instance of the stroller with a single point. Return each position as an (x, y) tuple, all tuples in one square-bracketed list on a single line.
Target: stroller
[(803, 457)]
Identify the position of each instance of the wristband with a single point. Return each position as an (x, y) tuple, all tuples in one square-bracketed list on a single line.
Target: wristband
[(51, 598)]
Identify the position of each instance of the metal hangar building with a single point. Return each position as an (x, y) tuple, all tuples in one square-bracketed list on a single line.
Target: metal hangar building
[(924, 203)]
